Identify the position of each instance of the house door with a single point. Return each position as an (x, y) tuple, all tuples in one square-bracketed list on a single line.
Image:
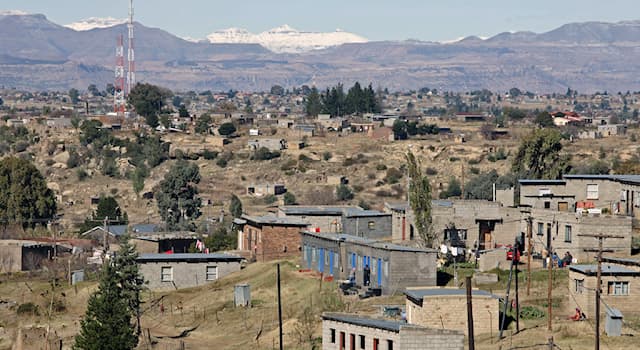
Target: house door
[(563, 206), (330, 263), (309, 256), (353, 261), (321, 259), (379, 272)]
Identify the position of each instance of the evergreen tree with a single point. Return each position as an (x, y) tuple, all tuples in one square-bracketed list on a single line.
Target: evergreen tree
[(177, 194), (235, 207), (129, 278), (420, 200), (313, 104), (107, 322), (539, 156)]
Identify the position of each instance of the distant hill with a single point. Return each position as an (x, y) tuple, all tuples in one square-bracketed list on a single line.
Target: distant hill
[(36, 53)]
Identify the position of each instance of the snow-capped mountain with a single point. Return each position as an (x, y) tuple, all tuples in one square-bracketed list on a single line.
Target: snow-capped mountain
[(95, 22), (285, 39), (13, 13)]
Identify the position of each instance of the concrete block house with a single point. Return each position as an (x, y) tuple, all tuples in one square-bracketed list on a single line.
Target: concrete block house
[(176, 271), (387, 266), (346, 331)]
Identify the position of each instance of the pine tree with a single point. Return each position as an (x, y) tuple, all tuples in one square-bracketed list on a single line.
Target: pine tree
[(235, 207), (129, 278), (107, 322)]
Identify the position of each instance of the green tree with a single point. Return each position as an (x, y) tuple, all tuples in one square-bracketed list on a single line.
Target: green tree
[(93, 90), (137, 179), (344, 193), (235, 207), (176, 195), (148, 100), (313, 103), (220, 239), (75, 122), (226, 129), (400, 129), (24, 196), (453, 189), (544, 119), (74, 95), (176, 101), (183, 112), (203, 124), (539, 156), (129, 278), (289, 199), (277, 90), (420, 200), (107, 321), (165, 121)]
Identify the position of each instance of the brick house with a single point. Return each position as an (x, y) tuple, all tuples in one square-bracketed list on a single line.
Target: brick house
[(447, 308), (270, 237), (347, 331), (619, 280), (387, 266), (176, 271)]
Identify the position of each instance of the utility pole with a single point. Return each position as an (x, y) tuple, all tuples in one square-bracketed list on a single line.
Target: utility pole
[(600, 250), (549, 285), (279, 308), (516, 251), (463, 196), (105, 235), (470, 314), (529, 252)]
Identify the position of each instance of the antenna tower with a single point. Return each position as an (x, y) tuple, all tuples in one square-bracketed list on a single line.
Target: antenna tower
[(131, 73), (118, 94)]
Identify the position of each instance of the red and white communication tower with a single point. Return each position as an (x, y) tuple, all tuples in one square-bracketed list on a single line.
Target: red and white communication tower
[(118, 94), (131, 72)]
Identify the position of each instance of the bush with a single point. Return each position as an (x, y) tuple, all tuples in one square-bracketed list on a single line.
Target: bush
[(81, 174), (74, 159), (371, 176), (327, 155), (431, 171), (474, 171), (49, 162), (304, 158), (221, 162), (344, 193), (454, 159), (288, 165), (381, 167), (270, 199), (209, 155), (226, 129), (263, 153), (21, 146), (474, 161), (28, 309), (358, 188), (383, 193), (289, 199), (531, 313), (393, 175)]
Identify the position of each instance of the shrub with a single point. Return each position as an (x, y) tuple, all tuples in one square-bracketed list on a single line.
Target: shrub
[(49, 162), (21, 146), (383, 193), (28, 309), (393, 175), (474, 161), (288, 165), (304, 158), (226, 129), (474, 171), (431, 171), (289, 199), (81, 174), (263, 153), (531, 312), (221, 162), (358, 188), (74, 159), (270, 199), (209, 155), (327, 155), (381, 167), (454, 159), (344, 193), (371, 176)]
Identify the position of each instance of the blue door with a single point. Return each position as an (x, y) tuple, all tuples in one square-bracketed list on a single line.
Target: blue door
[(331, 263), (321, 260), (309, 256), (353, 260), (379, 272)]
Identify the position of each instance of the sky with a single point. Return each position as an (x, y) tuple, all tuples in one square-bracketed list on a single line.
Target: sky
[(427, 20)]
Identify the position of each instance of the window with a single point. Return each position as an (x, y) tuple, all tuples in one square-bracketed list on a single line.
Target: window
[(567, 233), (618, 288), (389, 344), (578, 286), (547, 205), (592, 191), (212, 273), (333, 336), (166, 274), (326, 258), (540, 229), (372, 225), (362, 342)]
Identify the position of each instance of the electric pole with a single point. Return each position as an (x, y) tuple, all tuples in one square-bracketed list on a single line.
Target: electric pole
[(529, 252), (600, 250)]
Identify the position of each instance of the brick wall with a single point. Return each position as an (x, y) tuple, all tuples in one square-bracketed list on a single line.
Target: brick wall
[(184, 274), (450, 312), (272, 242)]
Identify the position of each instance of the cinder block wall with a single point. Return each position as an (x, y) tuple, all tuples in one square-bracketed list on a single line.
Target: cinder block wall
[(585, 300), (185, 274), (450, 312)]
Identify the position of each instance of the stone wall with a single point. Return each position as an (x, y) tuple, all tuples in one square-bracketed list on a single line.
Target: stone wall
[(374, 227)]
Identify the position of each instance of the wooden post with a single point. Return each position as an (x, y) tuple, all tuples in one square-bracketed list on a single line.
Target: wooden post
[(517, 299), (470, 314), (600, 250), (529, 252), (549, 287), (279, 308)]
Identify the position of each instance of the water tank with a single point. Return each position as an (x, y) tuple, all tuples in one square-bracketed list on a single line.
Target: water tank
[(613, 323), (242, 295)]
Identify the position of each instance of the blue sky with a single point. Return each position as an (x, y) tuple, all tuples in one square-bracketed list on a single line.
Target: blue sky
[(374, 19)]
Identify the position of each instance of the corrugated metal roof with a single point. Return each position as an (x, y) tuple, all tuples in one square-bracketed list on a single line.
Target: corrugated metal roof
[(623, 261), (315, 210), (419, 294), (607, 270), (352, 213), (542, 182), (629, 178), (190, 257), (369, 242), (388, 325), (274, 220)]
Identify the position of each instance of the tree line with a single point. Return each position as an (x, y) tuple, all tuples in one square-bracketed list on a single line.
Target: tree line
[(336, 102)]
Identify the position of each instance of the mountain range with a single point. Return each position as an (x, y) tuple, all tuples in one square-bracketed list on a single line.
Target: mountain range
[(36, 53)]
